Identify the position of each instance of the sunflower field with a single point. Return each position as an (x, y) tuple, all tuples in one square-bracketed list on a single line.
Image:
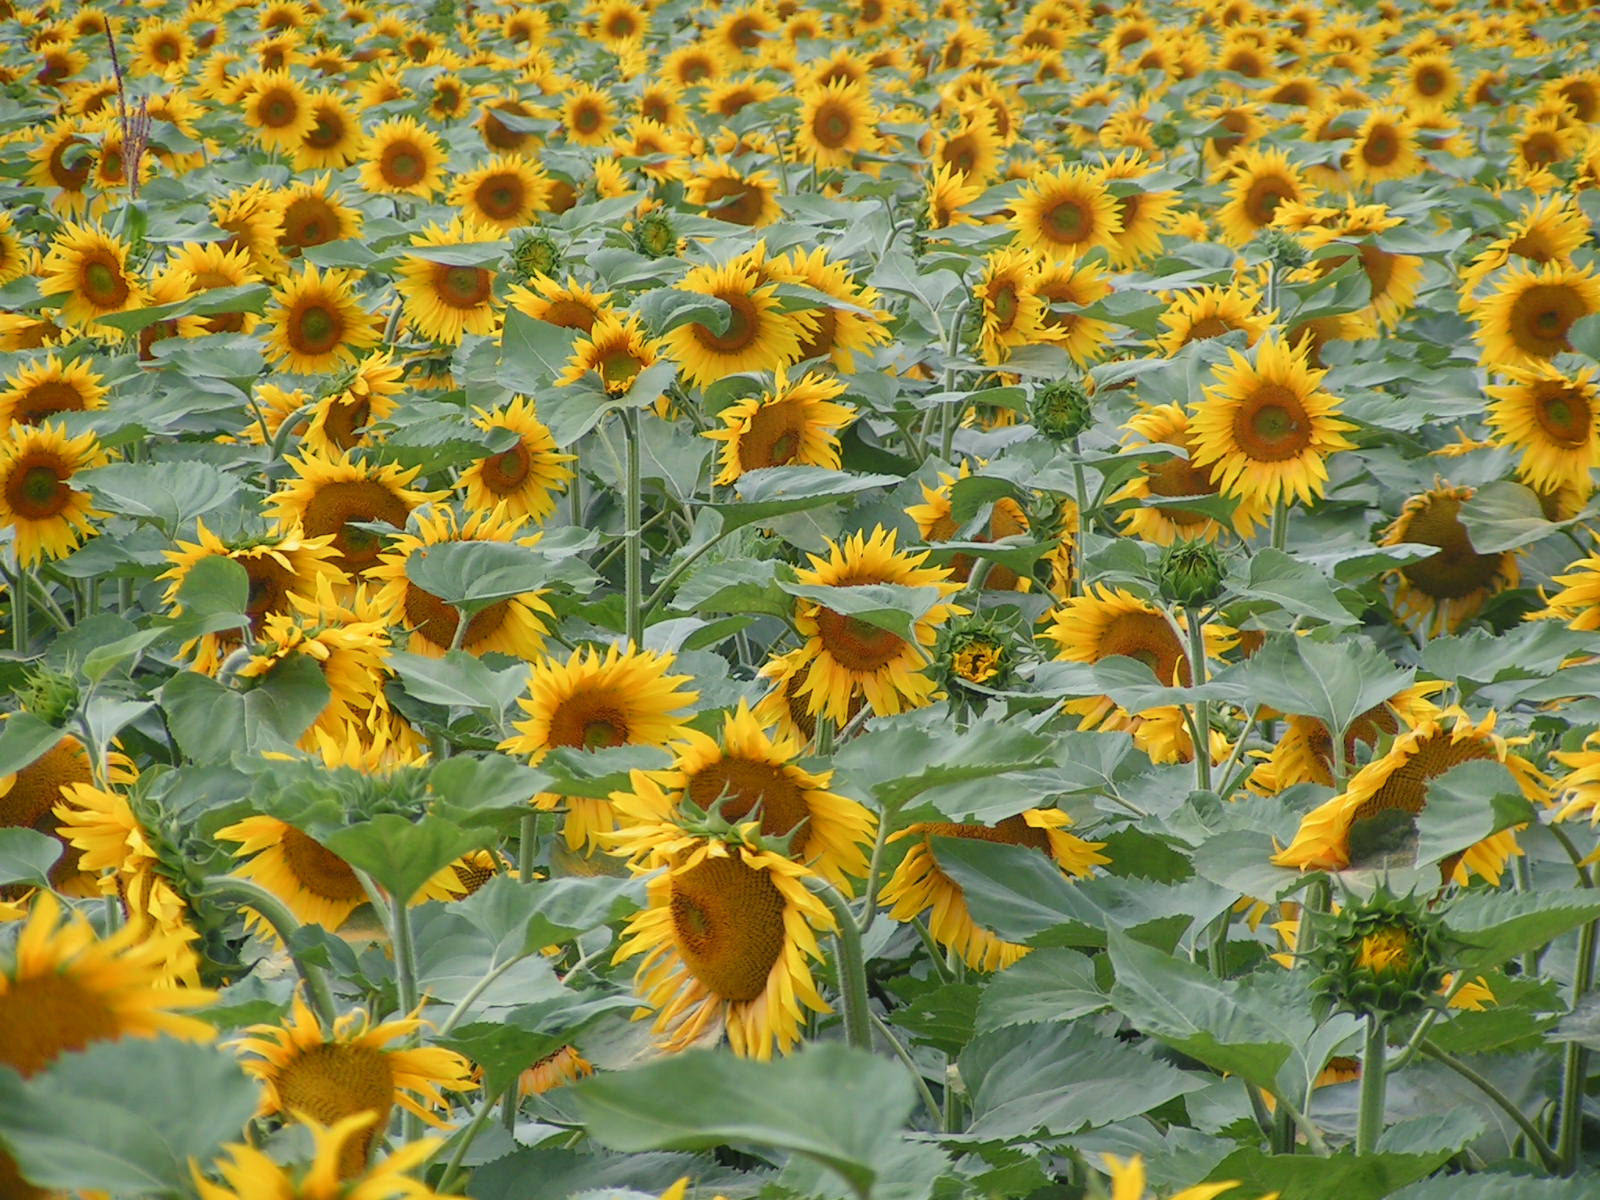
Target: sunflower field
[(860, 600)]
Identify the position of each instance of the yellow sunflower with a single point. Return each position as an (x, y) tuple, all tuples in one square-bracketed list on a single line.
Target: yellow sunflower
[(972, 150), (1145, 213), (316, 323), (588, 114), (1266, 427), (935, 523), (949, 192), (616, 349), (1526, 318), (741, 197), (1010, 311), (329, 1075), (1064, 285), (593, 701), (504, 193), (920, 886), (251, 1174), (88, 269), (556, 1069), (1445, 590), (403, 157), (29, 795), (1303, 752), (837, 122), (1385, 147), (760, 336), (1398, 782), (571, 306), (14, 260), (1066, 212), (311, 215), (795, 423), (1196, 314), (1168, 425), (849, 657), (41, 390), (443, 300), (342, 418), (785, 706), (254, 223), (835, 332), (524, 477), (278, 107), (63, 159), (1577, 602), (728, 933), (1549, 230), (1552, 419), (47, 516), (211, 265), (326, 494), (334, 139), (1392, 278), (1261, 180)]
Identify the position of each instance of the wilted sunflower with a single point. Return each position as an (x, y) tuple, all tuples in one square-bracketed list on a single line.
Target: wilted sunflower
[(1526, 318), (505, 193), (1266, 427), (1065, 213), (329, 1075), (920, 886), (1442, 592), (250, 1174), (740, 197), (1397, 783), (40, 390), (446, 299), (1303, 752), (750, 775), (316, 323), (1168, 425), (1552, 419), (760, 336), (403, 158), (593, 701), (48, 517), (326, 494), (1261, 180), (515, 626), (616, 349), (728, 932), (837, 122), (795, 423), (88, 269), (834, 332), (849, 657), (524, 477)]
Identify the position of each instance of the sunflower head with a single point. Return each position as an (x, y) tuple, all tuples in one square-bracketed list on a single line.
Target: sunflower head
[(1061, 411), (48, 694), (977, 651), (1190, 573), (1386, 956), (654, 235)]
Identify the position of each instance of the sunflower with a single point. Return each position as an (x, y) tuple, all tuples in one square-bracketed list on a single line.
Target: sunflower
[(446, 300), (739, 197), (935, 523), (14, 260), (333, 140), (919, 885), (556, 1069), (837, 333), (795, 423), (615, 349), (63, 158), (329, 1075), (972, 151), (728, 932), (588, 114), (524, 477), (1211, 311), (1010, 311), (40, 390), (594, 701), (949, 192), (28, 797), (498, 135), (1547, 231), (88, 268), (1063, 213), (1265, 427), (276, 568), (752, 776), (1552, 419), (739, 32), (1303, 752), (785, 706), (1578, 600), (316, 323), (1444, 590), (504, 193), (326, 494), (1385, 147), (760, 336), (1392, 278), (47, 516), (341, 419), (1067, 284), (1544, 142), (403, 158), (209, 266), (1526, 318), (572, 306), (66, 988), (1261, 181), (848, 656), (310, 216), (1145, 214), (1398, 782), (252, 219), (515, 626), (1168, 425), (836, 123), (250, 1174), (278, 107)]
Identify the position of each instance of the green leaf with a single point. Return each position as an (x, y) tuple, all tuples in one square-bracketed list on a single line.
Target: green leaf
[(532, 353), (244, 298), (522, 917), (458, 679), (737, 586), (210, 721), (900, 759), (167, 494), (1294, 586), (1333, 681), (1529, 651), (1466, 804), (473, 575), (152, 1104), (1499, 926), (401, 855), (26, 856), (774, 491), (519, 1037), (828, 1102), (889, 606), (664, 309), (1583, 335), (469, 786), (1491, 1186), (1307, 1177), (574, 771), (1504, 515), (1049, 985), (213, 596), (24, 738), (941, 1017), (1062, 1079)]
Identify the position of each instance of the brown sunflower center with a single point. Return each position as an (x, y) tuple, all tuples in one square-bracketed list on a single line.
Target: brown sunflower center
[(310, 221), (73, 177), (278, 109), (1264, 195), (403, 164), (1179, 477), (437, 621), (1541, 148), (1272, 425), (462, 287), (854, 644), (617, 367), (1457, 570), (744, 324), (314, 327), (587, 117), (569, 314), (335, 1080), (319, 870), (960, 153), (328, 131), (1013, 831), (1406, 788), (593, 720), (500, 197), (1068, 220), (775, 436), (1004, 301), (36, 487), (746, 784), (498, 134), (1382, 146), (727, 923), (102, 281), (833, 125), (1430, 81), (820, 341), (1541, 316), (48, 398), (1148, 638), (505, 472), (733, 200), (1565, 415), (335, 505), (269, 588), (36, 789), (44, 1015)]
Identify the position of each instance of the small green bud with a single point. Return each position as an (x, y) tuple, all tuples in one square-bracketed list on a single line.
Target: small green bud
[(654, 235), (1061, 411), (1165, 134), (48, 695), (1283, 248), (977, 651), (1190, 573), (1385, 956), (535, 254)]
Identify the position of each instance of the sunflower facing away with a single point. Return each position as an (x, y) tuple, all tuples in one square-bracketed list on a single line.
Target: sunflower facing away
[(316, 323), (795, 423), (250, 1174), (1442, 592), (1266, 427), (728, 933), (759, 336), (47, 516), (524, 477), (919, 886), (329, 1075), (592, 701), (326, 494)]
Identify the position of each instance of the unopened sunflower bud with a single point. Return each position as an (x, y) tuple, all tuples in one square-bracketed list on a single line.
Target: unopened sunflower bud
[(536, 254), (654, 235), (1283, 248), (1190, 573), (1386, 956), (1165, 134), (1061, 411), (48, 695)]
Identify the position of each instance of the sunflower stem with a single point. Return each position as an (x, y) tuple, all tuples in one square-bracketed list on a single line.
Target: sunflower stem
[(904, 1055), (1575, 1062), (852, 967), (1080, 484), (633, 556), (1226, 772), (1202, 708), (1280, 523), (869, 902), (242, 892), (1318, 895), (935, 954), (464, 1139), (464, 1005), (1374, 1076), (1549, 1157), (527, 845), (1313, 1135), (19, 611)]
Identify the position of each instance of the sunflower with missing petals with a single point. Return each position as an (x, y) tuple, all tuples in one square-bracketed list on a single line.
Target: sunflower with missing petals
[(525, 476), (1552, 419), (316, 324), (87, 269), (1010, 311), (326, 494), (1526, 318), (403, 157), (1168, 425), (728, 933), (837, 122), (1444, 591), (850, 657), (327, 1075), (515, 626), (48, 517), (1304, 750), (1394, 787), (759, 335), (747, 774), (341, 419), (616, 349), (920, 886), (741, 197), (1064, 213), (504, 193), (445, 300), (834, 332), (250, 1174), (1261, 180), (592, 701), (795, 423), (40, 390), (1266, 427)]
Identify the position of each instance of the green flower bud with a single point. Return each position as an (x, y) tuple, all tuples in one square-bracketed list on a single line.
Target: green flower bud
[(535, 254), (1164, 134), (654, 235), (48, 695), (1061, 411), (977, 651), (1386, 956), (1283, 248), (1190, 573)]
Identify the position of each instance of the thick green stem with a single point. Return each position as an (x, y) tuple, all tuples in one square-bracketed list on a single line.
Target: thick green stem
[(1374, 1076), (1575, 1062), (19, 611), (527, 845), (276, 914), (1217, 946), (1081, 485), (1310, 1132), (1318, 895), (464, 1005), (1548, 1156), (852, 968), (1202, 708), (1280, 523), (869, 904), (633, 505)]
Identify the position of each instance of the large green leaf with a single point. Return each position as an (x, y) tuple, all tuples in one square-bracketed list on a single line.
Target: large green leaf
[(1504, 515), (889, 606), (1049, 985), (519, 1037), (1466, 804), (1294, 586), (840, 1106), (522, 916), (1498, 926), (26, 856), (1333, 681), (473, 575), (774, 491), (458, 679), (901, 759), (23, 740), (1307, 1177), (210, 721), (400, 854), (166, 494)]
